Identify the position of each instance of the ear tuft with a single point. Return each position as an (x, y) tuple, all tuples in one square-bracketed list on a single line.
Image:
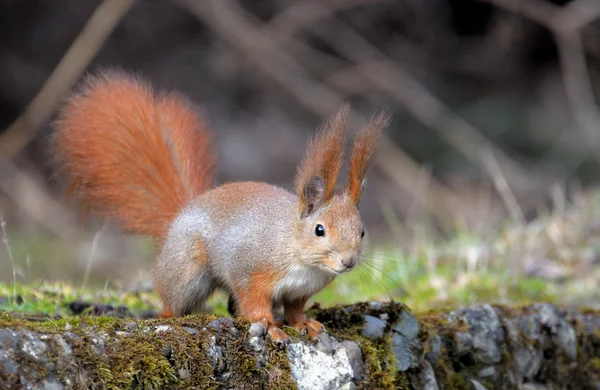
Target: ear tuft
[(312, 195), (360, 160), (323, 158)]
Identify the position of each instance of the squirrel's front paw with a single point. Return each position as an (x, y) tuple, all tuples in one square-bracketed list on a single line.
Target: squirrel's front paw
[(278, 335), (312, 327)]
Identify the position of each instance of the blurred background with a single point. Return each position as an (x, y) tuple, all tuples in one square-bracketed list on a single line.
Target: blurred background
[(488, 168)]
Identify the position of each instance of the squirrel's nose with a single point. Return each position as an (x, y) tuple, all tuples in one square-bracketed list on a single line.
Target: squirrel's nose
[(348, 262)]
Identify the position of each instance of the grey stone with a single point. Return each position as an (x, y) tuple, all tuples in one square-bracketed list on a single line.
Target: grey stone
[(50, 383), (9, 366), (348, 386), (427, 378), (66, 348), (324, 343), (183, 374), (33, 346), (98, 343), (404, 350), (354, 356), (215, 352), (166, 350), (536, 386), (216, 324), (257, 343), (563, 333), (373, 328), (212, 351), (132, 326), (549, 315), (163, 328), (191, 331), (475, 385), (527, 363), (566, 338), (485, 329), (464, 342), (488, 373), (257, 330), (313, 369), (433, 355), (407, 325), (376, 305), (8, 339)]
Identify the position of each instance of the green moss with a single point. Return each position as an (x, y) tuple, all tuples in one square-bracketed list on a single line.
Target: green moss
[(347, 322), (176, 358), (150, 360)]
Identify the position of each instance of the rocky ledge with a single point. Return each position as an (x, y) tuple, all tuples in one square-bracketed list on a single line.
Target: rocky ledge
[(368, 345)]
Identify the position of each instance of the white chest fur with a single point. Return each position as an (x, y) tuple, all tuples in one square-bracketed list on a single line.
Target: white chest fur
[(300, 282)]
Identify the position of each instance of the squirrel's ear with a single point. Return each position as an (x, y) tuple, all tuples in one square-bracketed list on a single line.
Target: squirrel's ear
[(312, 195), (323, 156), (360, 159)]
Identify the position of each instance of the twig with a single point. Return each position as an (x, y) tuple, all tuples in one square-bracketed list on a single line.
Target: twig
[(423, 105), (301, 14), (503, 188), (577, 85), (88, 267), (10, 256), (571, 17), (229, 22), (37, 202), (566, 23), (89, 41)]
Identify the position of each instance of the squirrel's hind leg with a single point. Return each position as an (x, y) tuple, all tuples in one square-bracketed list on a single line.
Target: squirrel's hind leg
[(182, 276), (187, 297)]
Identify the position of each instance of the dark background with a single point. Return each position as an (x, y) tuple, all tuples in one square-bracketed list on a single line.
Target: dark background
[(492, 118)]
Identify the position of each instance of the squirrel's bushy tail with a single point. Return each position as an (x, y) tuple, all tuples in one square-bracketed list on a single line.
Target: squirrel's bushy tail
[(132, 154)]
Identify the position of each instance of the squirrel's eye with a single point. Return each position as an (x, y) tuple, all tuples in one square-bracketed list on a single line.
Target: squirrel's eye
[(320, 230), (362, 234)]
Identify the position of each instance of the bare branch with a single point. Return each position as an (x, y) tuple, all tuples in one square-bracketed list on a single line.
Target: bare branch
[(225, 18), (85, 47), (566, 23), (422, 104)]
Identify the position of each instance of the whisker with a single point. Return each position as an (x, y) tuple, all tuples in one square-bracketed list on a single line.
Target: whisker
[(378, 283), (387, 276), (381, 261), (362, 277)]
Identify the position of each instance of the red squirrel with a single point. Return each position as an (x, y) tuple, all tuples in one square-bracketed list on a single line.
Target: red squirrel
[(142, 157)]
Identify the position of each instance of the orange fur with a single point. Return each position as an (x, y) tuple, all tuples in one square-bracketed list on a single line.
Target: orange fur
[(364, 146), (255, 300), (132, 154), (324, 155)]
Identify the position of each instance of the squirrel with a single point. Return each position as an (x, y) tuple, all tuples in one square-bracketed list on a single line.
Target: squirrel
[(142, 157)]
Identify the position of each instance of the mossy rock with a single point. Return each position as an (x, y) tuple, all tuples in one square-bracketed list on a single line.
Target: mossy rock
[(484, 345)]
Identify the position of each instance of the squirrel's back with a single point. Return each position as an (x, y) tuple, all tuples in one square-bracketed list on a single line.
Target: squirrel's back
[(132, 154)]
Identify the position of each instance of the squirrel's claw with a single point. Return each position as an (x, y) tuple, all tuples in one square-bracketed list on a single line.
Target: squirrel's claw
[(310, 326), (314, 328), (278, 336)]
